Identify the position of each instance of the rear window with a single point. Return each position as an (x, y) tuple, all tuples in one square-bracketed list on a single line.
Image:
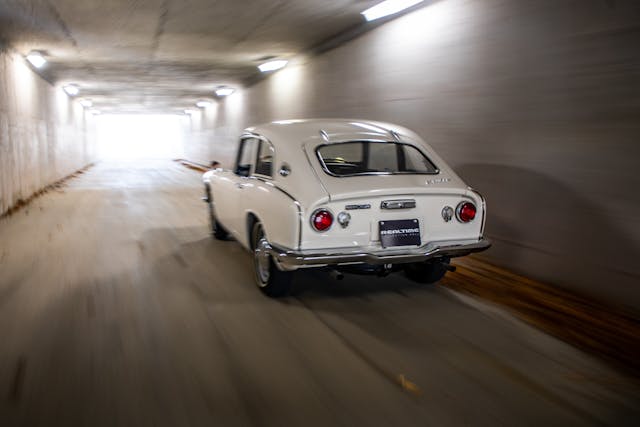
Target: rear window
[(365, 157)]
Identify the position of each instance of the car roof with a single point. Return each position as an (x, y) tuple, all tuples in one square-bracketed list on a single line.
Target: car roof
[(329, 130), (294, 141)]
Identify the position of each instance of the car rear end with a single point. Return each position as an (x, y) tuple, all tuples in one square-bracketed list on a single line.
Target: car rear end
[(390, 202)]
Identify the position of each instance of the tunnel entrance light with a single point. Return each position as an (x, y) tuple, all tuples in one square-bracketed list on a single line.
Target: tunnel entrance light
[(36, 59), (388, 7), (204, 104), (72, 90), (86, 103), (272, 65), (224, 91)]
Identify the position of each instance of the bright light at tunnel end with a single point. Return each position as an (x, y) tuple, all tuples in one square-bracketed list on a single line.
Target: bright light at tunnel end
[(272, 65), (388, 7)]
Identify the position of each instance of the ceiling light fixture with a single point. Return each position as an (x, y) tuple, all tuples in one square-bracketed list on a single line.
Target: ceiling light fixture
[(224, 91), (388, 7), (36, 59), (272, 65), (204, 104), (86, 103), (72, 90)]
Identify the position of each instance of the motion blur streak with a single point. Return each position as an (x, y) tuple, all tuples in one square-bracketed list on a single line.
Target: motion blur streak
[(134, 315)]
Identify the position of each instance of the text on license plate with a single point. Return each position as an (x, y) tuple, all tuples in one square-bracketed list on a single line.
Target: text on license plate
[(401, 232)]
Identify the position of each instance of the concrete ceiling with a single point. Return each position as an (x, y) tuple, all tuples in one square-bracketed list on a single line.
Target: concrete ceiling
[(164, 55)]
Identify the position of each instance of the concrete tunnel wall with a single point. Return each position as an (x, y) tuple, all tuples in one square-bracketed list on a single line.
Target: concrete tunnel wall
[(535, 103), (44, 135)]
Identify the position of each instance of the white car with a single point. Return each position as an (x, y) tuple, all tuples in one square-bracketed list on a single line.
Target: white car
[(349, 195)]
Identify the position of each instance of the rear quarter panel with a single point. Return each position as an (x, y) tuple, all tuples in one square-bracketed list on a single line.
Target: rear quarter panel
[(276, 210)]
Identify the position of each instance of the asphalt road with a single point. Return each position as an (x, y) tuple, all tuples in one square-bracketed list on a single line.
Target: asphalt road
[(118, 309)]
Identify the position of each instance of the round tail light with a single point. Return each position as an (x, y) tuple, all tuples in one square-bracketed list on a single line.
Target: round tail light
[(321, 220), (466, 211)]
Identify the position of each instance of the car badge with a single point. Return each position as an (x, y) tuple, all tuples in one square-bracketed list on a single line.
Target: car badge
[(354, 207), (437, 181)]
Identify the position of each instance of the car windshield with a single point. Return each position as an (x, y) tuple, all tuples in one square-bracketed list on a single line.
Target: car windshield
[(367, 157)]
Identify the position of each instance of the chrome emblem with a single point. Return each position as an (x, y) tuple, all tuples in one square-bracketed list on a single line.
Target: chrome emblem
[(354, 207), (447, 213), (437, 181), (398, 204)]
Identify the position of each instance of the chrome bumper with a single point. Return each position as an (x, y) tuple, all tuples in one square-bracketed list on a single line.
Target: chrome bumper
[(291, 260)]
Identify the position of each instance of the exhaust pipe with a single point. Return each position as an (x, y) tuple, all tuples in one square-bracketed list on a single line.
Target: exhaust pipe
[(336, 275)]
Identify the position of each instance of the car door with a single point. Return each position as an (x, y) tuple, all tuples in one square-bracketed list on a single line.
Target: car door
[(228, 203)]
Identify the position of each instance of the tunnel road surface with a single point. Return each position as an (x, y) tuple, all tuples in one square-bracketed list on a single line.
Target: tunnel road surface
[(118, 309)]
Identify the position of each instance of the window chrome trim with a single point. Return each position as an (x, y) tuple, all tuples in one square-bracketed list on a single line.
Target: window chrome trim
[(328, 172)]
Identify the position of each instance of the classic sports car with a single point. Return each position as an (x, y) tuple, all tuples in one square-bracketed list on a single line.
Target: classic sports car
[(350, 195)]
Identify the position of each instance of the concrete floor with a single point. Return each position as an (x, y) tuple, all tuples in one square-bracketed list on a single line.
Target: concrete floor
[(117, 308)]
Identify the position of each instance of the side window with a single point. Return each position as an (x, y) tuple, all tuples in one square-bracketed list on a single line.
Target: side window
[(246, 156), (264, 164)]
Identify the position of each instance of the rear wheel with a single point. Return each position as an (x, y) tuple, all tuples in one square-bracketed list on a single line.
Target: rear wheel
[(269, 278), (427, 272), (217, 230)]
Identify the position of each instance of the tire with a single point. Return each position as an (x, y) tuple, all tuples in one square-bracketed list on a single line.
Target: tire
[(427, 272), (217, 230), (271, 281)]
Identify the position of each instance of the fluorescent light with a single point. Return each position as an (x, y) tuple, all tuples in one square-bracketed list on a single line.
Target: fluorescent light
[(388, 7), (72, 90), (36, 59), (272, 65), (86, 103), (189, 112), (204, 104), (224, 91)]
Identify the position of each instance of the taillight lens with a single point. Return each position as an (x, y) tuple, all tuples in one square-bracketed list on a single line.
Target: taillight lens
[(321, 220), (466, 212)]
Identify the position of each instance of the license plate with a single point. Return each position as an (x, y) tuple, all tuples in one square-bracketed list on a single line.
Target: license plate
[(402, 232)]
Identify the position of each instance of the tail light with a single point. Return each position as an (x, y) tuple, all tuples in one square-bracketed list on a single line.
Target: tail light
[(321, 220), (466, 212)]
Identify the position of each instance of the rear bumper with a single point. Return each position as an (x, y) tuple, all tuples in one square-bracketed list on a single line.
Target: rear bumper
[(290, 260)]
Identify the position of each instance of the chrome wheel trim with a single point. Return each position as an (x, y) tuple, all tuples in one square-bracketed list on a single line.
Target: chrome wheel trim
[(262, 261)]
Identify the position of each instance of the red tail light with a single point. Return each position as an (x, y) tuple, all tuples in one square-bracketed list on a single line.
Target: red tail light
[(321, 220), (466, 212)]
